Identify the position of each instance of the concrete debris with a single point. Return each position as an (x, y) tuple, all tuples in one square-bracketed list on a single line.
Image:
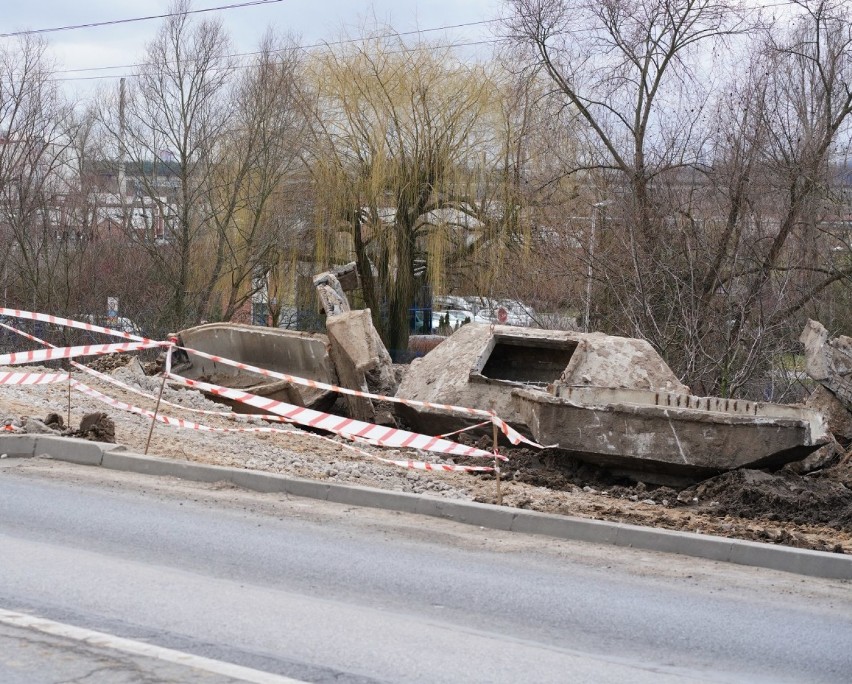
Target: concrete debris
[(331, 285), (362, 363), (300, 354), (55, 422), (612, 401), (479, 365), (352, 355), (829, 361), (360, 358), (34, 426), (838, 417)]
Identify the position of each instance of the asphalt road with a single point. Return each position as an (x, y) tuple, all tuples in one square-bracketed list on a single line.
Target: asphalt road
[(321, 593)]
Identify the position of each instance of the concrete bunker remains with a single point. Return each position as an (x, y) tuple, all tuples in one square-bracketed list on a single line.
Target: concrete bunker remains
[(609, 400), (521, 360)]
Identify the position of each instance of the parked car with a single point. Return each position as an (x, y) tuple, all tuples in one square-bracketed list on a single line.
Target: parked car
[(449, 321)]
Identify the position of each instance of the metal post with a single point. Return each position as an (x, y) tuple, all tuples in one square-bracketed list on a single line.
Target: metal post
[(68, 425), (154, 417)]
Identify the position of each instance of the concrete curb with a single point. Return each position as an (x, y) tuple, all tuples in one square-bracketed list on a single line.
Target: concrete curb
[(756, 554)]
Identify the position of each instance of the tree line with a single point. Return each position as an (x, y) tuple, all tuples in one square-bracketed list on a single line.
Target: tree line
[(676, 170)]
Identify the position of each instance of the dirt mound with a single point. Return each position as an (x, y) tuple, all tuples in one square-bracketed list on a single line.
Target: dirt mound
[(97, 427), (554, 470), (782, 496), (107, 363)]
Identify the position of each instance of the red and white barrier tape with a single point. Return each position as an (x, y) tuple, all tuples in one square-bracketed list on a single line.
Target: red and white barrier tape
[(51, 378), (32, 378), (128, 388), (511, 434), (346, 427), (180, 423), (71, 323), (41, 355), (351, 429)]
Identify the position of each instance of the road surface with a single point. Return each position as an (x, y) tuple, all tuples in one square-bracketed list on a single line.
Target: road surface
[(321, 592)]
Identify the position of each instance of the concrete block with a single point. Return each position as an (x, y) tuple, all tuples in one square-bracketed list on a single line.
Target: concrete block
[(255, 480), (164, 467), (575, 529), (484, 515), (17, 445), (80, 451), (799, 561), (311, 489), (671, 541), (374, 498)]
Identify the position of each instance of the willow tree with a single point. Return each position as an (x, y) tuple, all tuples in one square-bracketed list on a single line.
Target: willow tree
[(401, 135)]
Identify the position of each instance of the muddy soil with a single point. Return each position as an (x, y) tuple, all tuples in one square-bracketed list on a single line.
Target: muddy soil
[(806, 511)]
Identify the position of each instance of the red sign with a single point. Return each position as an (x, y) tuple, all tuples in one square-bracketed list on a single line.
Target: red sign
[(502, 315)]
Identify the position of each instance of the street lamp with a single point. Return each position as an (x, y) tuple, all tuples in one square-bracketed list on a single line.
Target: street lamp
[(597, 206)]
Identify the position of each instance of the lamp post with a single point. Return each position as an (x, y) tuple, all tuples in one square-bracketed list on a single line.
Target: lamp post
[(597, 206)]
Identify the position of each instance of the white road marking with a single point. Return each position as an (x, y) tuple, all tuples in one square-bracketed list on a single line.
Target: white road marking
[(139, 648)]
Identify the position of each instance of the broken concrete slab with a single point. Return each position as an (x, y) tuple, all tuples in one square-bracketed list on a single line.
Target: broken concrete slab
[(479, 365), (610, 400), (668, 438), (300, 354), (331, 287), (829, 361), (838, 417), (361, 360)]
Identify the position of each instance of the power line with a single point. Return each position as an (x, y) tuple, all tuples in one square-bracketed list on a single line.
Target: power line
[(312, 46), (321, 45), (114, 22)]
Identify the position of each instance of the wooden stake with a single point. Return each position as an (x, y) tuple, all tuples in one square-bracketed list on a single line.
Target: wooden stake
[(156, 408), (497, 467), (69, 398)]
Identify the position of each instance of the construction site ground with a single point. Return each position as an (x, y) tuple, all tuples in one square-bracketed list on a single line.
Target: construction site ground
[(812, 511)]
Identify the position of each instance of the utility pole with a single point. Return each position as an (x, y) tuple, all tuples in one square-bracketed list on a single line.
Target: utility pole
[(121, 149), (596, 207)]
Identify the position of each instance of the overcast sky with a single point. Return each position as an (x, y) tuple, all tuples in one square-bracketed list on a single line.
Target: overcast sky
[(311, 20)]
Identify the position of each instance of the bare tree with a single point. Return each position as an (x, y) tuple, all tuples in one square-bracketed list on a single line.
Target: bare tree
[(253, 178), (33, 175), (170, 131), (711, 186)]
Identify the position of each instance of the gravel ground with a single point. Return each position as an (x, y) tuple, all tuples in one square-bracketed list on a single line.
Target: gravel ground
[(809, 512)]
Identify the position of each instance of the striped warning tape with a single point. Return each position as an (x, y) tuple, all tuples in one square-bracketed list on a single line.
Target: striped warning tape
[(104, 377), (511, 434), (346, 427), (71, 323), (70, 352), (181, 423), (381, 436), (50, 378), (41, 355), (129, 388), (32, 378)]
